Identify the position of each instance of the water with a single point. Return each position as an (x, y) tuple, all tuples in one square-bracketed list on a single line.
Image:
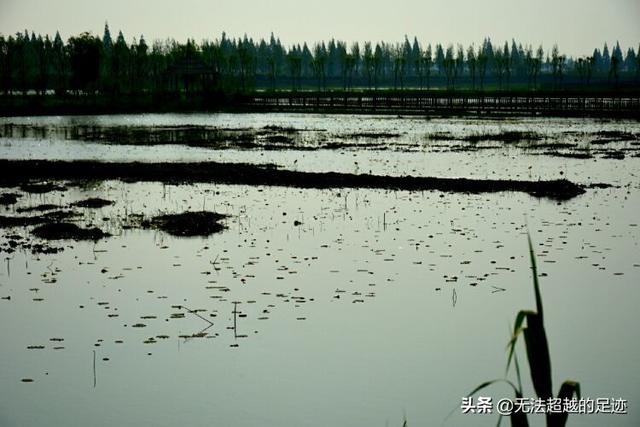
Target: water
[(329, 307)]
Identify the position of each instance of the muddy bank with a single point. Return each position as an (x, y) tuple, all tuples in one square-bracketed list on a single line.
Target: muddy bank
[(39, 208), (267, 137), (66, 225), (92, 203), (17, 172), (504, 137), (24, 221), (67, 231), (370, 135), (41, 187), (187, 224), (7, 199), (286, 138)]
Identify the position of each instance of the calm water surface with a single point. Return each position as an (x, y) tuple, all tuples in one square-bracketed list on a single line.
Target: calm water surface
[(335, 307)]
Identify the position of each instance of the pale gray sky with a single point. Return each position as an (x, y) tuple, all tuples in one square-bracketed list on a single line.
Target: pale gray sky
[(576, 25)]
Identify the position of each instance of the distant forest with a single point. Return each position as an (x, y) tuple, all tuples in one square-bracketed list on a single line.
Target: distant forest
[(86, 64)]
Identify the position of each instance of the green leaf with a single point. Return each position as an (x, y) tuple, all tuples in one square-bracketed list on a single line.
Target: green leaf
[(536, 285), (517, 329), (567, 391), (483, 386), (517, 365), (538, 355), (519, 419)]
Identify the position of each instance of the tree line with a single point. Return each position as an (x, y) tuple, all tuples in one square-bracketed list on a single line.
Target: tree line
[(88, 64)]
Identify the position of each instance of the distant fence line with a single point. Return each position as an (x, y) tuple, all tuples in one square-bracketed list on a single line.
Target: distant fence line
[(424, 103), (624, 103)]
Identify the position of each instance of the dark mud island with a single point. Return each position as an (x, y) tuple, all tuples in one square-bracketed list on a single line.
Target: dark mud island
[(53, 222), (37, 177), (44, 176), (269, 175)]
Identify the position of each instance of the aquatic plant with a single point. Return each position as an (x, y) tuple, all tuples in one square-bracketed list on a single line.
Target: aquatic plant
[(537, 348)]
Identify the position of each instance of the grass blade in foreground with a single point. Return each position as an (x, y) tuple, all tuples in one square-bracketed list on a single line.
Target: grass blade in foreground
[(537, 347)]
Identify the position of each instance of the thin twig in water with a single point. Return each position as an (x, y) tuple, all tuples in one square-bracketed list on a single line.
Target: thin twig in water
[(214, 261), (235, 321), (94, 369), (179, 307), (198, 334)]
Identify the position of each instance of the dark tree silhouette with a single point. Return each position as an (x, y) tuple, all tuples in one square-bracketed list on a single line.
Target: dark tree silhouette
[(427, 59), (605, 60), (439, 59), (367, 59), (319, 63), (638, 64), (119, 62), (399, 64), (472, 65), (557, 64), (246, 63), (84, 55), (295, 69), (459, 64), (538, 65), (59, 64), (378, 62), (5, 68), (507, 59), (615, 68), (449, 65), (482, 61), (32, 64), (140, 66)]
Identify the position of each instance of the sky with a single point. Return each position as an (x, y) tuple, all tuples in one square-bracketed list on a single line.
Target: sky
[(577, 26)]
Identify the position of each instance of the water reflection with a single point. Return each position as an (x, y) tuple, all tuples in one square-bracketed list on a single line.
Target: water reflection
[(350, 304), (518, 148)]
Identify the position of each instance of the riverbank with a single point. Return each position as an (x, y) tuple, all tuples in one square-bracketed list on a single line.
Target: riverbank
[(618, 103)]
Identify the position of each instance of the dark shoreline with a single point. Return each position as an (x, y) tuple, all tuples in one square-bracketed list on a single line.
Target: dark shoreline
[(16, 172), (610, 103)]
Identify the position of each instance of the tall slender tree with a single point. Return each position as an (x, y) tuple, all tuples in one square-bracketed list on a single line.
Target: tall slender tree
[(472, 65), (84, 55), (427, 60)]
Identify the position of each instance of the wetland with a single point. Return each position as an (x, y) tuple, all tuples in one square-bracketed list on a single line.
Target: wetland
[(313, 270)]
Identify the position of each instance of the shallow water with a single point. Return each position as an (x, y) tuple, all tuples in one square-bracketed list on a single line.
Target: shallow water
[(416, 149), (379, 304)]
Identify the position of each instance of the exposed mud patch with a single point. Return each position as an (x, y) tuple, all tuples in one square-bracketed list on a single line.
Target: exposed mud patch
[(92, 203), (188, 224), (369, 135), (41, 187), (276, 128), (569, 155), (615, 155), (39, 208), (7, 199), (67, 231), (250, 174), (506, 137), (23, 221)]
